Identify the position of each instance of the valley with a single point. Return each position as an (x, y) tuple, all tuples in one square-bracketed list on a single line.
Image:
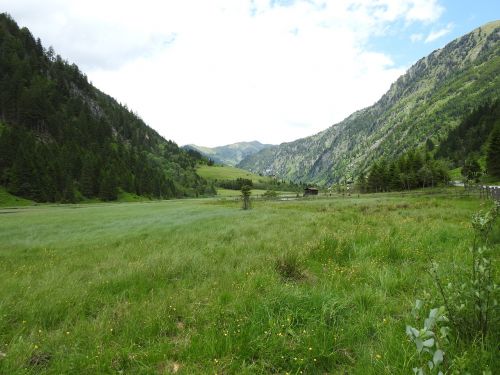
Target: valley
[(370, 247)]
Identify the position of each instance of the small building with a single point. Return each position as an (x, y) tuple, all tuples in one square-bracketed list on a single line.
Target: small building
[(310, 191)]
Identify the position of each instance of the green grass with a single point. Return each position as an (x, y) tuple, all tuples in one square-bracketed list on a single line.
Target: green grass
[(124, 196), (227, 173), (231, 173), (201, 286), (9, 200)]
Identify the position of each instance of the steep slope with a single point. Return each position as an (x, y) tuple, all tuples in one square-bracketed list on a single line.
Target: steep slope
[(61, 139), (230, 154), (427, 102)]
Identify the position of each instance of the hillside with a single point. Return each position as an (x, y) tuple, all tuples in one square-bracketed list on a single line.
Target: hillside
[(230, 154), (229, 180), (61, 139), (426, 103)]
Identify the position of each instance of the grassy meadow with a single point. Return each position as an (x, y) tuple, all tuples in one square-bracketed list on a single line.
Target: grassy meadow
[(219, 172), (314, 286)]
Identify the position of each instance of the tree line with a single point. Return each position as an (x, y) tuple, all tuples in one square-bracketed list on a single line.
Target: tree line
[(412, 170), (476, 137)]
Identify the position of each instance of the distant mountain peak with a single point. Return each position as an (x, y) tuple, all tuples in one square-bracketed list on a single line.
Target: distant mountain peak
[(230, 154)]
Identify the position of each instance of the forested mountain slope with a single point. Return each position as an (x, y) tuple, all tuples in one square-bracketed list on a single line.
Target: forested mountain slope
[(61, 139), (470, 139), (426, 103)]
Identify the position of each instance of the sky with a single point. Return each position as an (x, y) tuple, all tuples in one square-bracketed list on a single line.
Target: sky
[(214, 72)]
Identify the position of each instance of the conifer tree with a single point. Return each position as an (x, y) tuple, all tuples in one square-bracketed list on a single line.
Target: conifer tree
[(87, 179), (471, 170), (245, 194), (361, 183), (493, 156), (108, 190)]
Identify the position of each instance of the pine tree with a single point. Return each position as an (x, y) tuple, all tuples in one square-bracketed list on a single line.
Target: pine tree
[(471, 170), (246, 191), (493, 156), (361, 183), (394, 179), (87, 178), (108, 190)]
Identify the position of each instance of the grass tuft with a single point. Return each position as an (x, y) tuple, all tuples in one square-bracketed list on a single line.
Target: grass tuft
[(290, 267)]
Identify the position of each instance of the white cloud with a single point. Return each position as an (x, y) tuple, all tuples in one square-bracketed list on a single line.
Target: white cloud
[(416, 37), (434, 35), (425, 11), (221, 71)]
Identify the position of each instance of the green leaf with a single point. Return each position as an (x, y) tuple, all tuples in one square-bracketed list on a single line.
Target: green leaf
[(438, 357), (429, 343), (418, 304), (433, 313), (429, 323), (419, 344), (444, 331)]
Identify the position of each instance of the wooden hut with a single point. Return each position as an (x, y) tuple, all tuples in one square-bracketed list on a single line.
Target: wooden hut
[(310, 191)]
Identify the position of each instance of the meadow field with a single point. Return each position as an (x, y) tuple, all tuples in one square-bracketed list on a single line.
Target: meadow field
[(310, 286), (219, 172)]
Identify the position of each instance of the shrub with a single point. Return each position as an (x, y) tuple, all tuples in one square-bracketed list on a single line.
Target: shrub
[(429, 340), (471, 302)]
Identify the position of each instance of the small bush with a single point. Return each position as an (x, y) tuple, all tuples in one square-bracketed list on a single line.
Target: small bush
[(471, 302), (429, 340)]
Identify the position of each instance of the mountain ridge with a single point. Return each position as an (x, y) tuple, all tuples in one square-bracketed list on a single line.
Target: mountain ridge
[(230, 154), (425, 103)]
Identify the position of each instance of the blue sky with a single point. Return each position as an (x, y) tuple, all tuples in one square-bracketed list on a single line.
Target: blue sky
[(458, 18), (222, 71)]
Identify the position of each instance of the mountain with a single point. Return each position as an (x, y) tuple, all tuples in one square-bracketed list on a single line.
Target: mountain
[(230, 154), (61, 139), (429, 101)]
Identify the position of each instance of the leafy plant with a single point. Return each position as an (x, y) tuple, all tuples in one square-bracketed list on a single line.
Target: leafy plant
[(429, 340), (471, 302)]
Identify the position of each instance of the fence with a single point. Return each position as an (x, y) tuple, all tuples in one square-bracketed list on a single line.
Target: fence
[(481, 191), (484, 191)]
